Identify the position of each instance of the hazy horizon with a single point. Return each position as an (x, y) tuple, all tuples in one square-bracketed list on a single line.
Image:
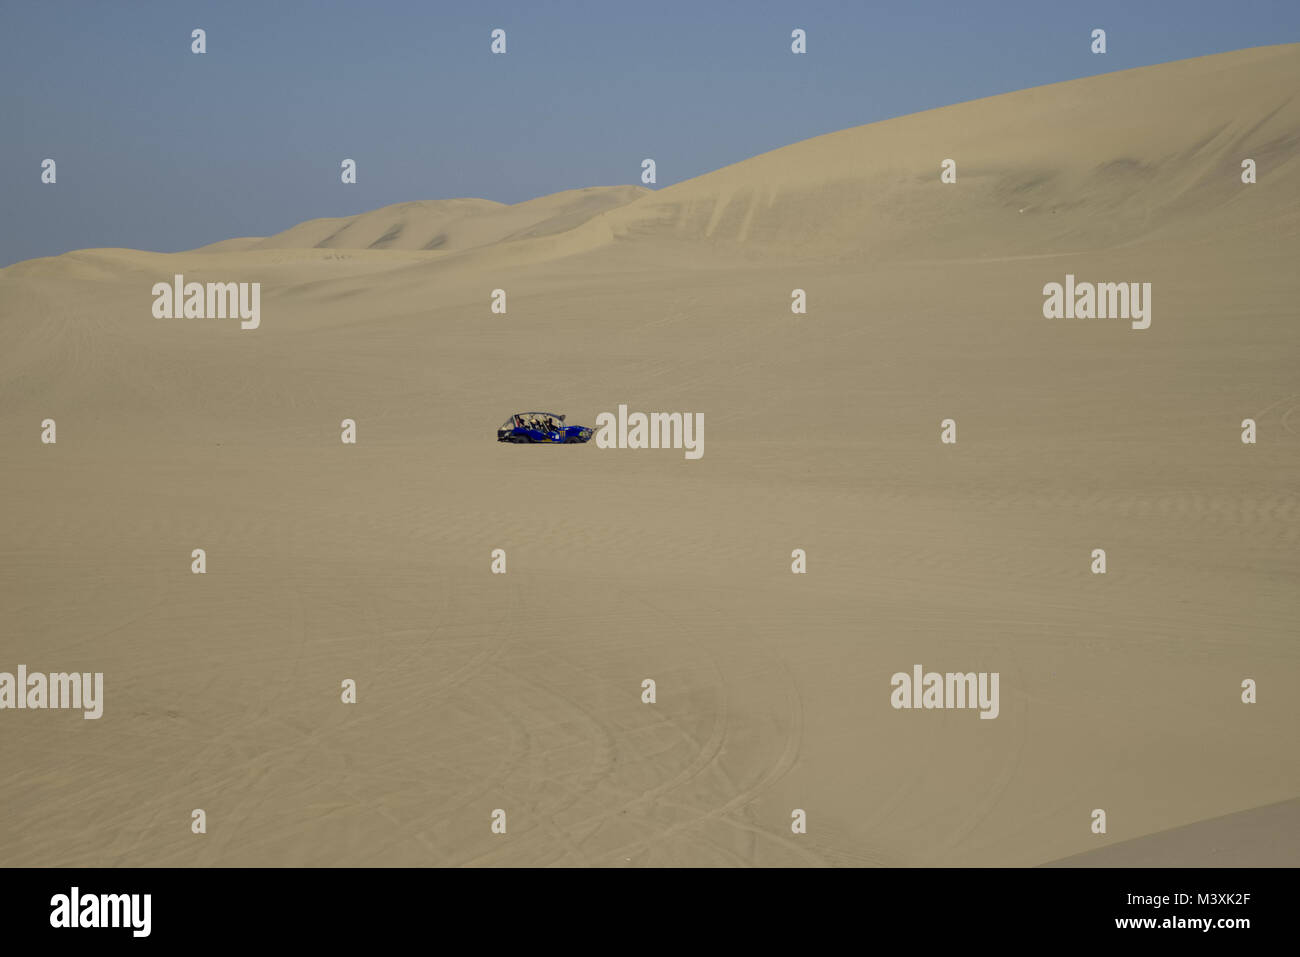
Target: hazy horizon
[(226, 144)]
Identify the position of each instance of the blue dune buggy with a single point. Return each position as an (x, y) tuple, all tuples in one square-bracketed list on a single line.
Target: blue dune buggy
[(541, 428)]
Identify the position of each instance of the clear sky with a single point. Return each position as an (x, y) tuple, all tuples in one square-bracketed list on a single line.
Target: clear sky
[(158, 148)]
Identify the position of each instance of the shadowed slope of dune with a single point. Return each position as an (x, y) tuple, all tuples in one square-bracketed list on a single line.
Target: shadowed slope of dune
[(1261, 837), (453, 224), (415, 223)]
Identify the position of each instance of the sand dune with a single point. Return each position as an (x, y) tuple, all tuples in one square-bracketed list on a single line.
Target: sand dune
[(479, 691), (1072, 167), (1261, 837), (453, 224)]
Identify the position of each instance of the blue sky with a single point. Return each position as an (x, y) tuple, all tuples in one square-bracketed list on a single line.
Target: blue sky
[(158, 148)]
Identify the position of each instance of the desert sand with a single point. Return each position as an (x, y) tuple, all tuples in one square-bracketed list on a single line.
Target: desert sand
[(1259, 837), (522, 691)]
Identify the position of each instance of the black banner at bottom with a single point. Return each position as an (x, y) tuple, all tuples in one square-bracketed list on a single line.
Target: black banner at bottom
[(583, 907)]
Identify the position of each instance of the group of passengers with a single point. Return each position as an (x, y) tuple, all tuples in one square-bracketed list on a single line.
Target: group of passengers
[(543, 423)]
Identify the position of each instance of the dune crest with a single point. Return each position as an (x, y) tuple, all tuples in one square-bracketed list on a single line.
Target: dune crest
[(1071, 166), (1051, 169), (456, 224)]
